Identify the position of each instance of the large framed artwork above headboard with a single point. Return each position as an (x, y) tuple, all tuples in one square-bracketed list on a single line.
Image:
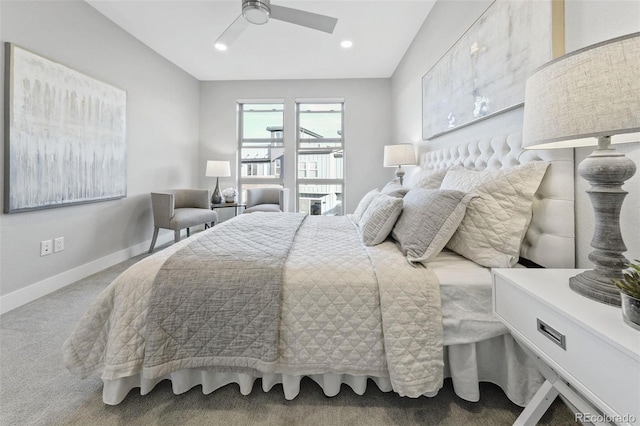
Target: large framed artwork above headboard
[(497, 143), (484, 72)]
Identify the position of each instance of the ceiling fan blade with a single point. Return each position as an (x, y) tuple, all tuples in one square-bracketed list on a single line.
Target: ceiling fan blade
[(306, 19), (231, 33)]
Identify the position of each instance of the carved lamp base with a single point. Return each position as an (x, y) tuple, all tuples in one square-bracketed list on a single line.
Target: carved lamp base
[(606, 170), (400, 174), (595, 286)]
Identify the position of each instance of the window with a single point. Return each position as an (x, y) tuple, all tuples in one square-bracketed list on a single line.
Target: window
[(309, 169), (261, 135), (320, 178)]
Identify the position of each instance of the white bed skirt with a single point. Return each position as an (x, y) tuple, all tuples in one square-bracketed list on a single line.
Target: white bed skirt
[(498, 360)]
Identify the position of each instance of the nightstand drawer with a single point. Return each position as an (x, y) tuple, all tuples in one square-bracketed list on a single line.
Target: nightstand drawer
[(597, 369)]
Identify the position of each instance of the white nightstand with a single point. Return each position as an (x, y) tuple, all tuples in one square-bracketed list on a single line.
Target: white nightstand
[(582, 347)]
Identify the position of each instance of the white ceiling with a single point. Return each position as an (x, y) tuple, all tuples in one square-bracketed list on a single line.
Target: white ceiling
[(184, 31)]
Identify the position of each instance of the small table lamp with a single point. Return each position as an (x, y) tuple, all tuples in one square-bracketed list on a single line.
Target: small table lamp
[(592, 97), (217, 169), (399, 155)]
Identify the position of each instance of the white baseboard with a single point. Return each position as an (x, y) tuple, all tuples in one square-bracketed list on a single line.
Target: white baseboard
[(35, 291)]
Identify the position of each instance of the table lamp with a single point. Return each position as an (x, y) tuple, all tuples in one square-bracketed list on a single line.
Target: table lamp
[(592, 97), (217, 169), (399, 155)]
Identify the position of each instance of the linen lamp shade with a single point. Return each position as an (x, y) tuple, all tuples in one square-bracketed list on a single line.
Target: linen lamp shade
[(218, 169), (592, 92), (399, 155)]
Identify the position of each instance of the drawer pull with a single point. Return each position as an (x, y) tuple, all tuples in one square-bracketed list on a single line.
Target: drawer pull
[(551, 334)]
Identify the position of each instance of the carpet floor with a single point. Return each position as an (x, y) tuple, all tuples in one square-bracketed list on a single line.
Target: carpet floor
[(36, 389)]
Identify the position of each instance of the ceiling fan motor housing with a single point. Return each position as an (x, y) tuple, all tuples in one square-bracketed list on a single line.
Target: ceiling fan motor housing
[(256, 11)]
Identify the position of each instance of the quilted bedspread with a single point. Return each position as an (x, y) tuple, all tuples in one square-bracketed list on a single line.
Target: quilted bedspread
[(345, 308)]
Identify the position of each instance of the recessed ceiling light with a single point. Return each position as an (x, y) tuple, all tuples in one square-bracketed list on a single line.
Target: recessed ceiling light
[(346, 44), (220, 46)]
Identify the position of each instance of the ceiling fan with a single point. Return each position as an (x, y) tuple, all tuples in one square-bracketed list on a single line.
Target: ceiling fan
[(259, 11)]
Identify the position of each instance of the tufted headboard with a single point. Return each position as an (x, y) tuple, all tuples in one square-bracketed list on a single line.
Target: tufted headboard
[(550, 239)]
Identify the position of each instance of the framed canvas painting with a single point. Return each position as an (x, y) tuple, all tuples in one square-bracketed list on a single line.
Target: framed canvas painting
[(485, 71), (65, 135)]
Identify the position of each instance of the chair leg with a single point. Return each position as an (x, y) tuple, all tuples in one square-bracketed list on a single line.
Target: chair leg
[(176, 234), (188, 232), (153, 240)]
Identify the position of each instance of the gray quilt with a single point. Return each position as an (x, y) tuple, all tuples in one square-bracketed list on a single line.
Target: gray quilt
[(216, 301)]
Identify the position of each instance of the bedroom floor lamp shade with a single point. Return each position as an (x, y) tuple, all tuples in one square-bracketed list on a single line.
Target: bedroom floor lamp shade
[(399, 155), (217, 169), (592, 97)]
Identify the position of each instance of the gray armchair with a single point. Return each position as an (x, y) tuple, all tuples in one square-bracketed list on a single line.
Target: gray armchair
[(180, 208), (267, 200)]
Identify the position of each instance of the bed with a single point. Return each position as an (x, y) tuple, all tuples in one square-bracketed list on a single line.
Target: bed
[(333, 309)]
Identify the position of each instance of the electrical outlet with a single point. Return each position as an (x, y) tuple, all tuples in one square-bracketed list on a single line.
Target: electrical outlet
[(45, 248), (58, 244)]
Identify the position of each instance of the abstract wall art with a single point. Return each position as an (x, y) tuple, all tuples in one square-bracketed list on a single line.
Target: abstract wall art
[(485, 71), (65, 135)]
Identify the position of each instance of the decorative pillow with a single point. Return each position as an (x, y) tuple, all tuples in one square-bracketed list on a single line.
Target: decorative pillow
[(495, 222), (379, 218), (394, 189), (428, 220), (428, 179), (364, 203)]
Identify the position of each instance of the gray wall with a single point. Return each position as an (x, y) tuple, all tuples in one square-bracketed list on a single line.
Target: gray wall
[(367, 126), (162, 142), (586, 22)]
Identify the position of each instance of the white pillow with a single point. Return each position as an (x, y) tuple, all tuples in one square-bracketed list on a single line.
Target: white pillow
[(379, 218), (364, 203), (428, 179), (428, 220), (496, 221)]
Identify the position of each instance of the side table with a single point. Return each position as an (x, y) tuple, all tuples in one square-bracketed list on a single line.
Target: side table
[(236, 206), (582, 347)]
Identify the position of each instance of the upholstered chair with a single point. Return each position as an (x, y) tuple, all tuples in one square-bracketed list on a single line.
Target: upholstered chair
[(180, 208), (267, 200)]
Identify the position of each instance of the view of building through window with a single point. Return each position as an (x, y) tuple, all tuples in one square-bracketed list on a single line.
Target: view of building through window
[(260, 129), (320, 148), (320, 179)]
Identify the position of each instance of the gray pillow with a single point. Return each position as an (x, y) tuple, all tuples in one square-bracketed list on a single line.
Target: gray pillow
[(394, 189), (379, 218), (364, 203), (429, 218)]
